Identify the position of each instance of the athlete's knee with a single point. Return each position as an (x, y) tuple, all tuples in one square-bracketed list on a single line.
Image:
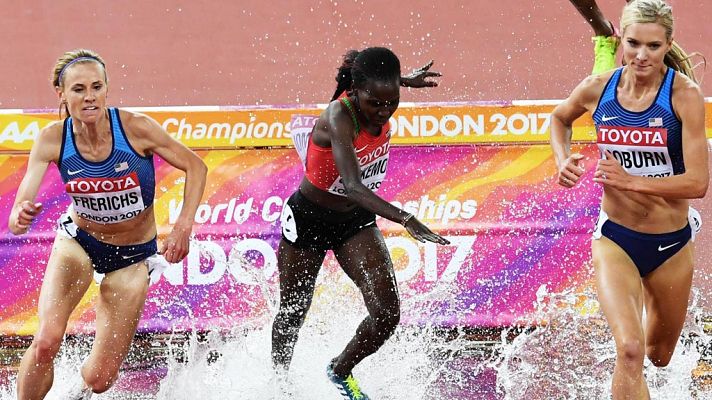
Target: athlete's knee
[(660, 356), (47, 346), (100, 381), (631, 351), (660, 362)]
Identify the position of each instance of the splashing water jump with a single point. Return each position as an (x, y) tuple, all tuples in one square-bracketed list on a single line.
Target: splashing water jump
[(478, 275)]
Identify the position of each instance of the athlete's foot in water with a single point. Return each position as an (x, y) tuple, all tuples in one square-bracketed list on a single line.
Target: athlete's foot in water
[(78, 390), (347, 385), (283, 385)]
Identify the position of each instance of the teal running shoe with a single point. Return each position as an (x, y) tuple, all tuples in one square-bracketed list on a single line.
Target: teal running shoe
[(348, 387)]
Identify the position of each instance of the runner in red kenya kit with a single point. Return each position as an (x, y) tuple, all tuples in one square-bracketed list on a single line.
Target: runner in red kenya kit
[(335, 209)]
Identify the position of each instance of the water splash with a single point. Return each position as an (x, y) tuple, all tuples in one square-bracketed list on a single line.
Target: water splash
[(417, 362), (571, 354), (66, 371)]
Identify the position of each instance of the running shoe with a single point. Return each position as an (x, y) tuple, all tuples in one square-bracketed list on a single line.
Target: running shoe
[(604, 50), (348, 387)]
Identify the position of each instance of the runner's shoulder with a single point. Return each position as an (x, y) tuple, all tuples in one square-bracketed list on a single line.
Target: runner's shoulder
[(51, 134), (590, 89), (686, 89)]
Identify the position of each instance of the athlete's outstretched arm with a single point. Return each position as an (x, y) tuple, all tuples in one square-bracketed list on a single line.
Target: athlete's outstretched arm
[(593, 15), (44, 150), (340, 129), (562, 119), (154, 139), (419, 77), (693, 183)]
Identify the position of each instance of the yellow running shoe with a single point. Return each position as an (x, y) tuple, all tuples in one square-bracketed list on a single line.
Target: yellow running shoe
[(604, 50)]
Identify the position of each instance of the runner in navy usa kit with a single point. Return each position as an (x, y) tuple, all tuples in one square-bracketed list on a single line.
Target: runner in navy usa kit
[(649, 118), (105, 159)]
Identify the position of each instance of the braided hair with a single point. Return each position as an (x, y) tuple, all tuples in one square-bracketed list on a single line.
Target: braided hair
[(377, 63)]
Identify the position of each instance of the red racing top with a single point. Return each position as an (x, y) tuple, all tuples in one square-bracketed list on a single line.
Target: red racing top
[(372, 154)]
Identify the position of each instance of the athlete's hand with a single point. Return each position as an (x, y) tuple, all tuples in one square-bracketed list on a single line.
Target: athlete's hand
[(610, 172), (422, 233), (177, 244), (571, 171), (418, 78), (27, 212)]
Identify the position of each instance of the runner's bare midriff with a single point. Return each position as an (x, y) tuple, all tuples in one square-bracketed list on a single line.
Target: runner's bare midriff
[(645, 213), (140, 229), (325, 199)]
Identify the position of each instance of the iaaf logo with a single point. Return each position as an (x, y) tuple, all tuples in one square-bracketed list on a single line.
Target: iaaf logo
[(102, 185), (632, 135)]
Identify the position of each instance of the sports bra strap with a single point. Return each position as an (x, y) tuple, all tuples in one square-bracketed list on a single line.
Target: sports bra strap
[(345, 101)]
